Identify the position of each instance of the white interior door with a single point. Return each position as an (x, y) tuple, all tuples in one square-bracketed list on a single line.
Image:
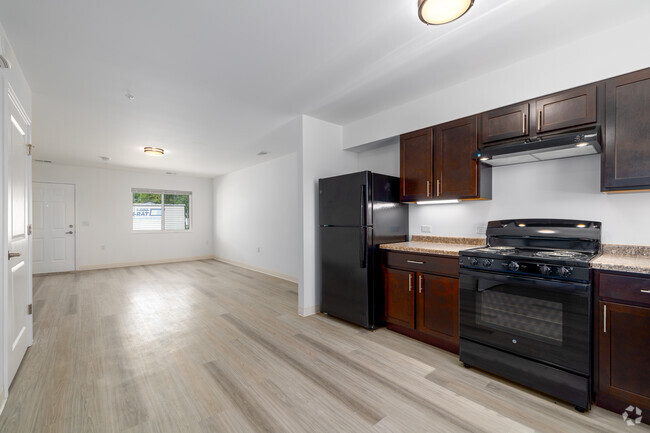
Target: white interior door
[(18, 320), (53, 240)]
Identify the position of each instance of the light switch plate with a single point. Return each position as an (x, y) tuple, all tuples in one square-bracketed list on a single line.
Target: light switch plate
[(425, 229), (480, 229)]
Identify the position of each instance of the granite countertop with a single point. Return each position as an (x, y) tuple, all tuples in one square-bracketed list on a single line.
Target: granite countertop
[(445, 246), (623, 258)]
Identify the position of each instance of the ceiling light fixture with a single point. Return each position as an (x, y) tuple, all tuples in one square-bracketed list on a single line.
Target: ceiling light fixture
[(262, 153), (442, 11), (155, 151)]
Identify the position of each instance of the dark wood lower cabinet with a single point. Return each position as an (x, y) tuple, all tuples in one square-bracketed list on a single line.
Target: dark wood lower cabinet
[(420, 304), (622, 335), (437, 307), (400, 298)]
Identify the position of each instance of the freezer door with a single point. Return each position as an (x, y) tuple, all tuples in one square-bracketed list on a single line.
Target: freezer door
[(347, 273), (343, 200)]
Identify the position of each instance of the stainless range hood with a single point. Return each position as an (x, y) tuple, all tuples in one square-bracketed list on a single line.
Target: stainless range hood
[(576, 143)]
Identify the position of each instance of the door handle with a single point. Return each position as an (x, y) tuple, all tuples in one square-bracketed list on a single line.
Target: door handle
[(364, 208), (69, 233), (438, 188), (410, 281), (12, 255), (420, 284), (362, 248), (605, 319), (523, 127)]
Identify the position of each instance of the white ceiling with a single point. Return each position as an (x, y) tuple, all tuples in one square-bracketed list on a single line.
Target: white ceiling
[(215, 82)]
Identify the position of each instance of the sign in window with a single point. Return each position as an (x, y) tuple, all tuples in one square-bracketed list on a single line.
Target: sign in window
[(161, 210)]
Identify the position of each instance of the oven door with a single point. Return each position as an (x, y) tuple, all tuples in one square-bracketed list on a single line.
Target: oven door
[(540, 319)]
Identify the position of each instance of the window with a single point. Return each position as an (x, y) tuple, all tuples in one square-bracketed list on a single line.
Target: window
[(160, 210)]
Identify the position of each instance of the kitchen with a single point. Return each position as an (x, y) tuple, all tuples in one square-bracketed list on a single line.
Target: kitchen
[(522, 306), (568, 189)]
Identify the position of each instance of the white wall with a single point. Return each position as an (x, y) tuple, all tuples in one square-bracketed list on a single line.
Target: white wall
[(320, 155), (606, 54), (383, 160), (103, 215), (565, 188), (257, 207)]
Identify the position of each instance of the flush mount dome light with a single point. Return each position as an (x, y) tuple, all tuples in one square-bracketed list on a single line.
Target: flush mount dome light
[(442, 11), (155, 151)]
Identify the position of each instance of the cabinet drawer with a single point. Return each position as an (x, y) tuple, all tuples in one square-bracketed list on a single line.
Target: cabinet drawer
[(624, 288), (423, 263)]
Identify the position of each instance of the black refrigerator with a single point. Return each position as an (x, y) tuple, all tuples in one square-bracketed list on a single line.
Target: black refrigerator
[(357, 212)]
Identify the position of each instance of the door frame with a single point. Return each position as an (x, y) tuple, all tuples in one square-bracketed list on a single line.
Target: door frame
[(74, 198), (9, 97)]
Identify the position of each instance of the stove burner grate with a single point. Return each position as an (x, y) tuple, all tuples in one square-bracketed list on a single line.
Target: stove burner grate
[(561, 254)]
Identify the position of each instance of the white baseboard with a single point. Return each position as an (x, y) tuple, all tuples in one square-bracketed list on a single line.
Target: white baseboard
[(309, 311), (3, 401), (142, 263), (280, 275)]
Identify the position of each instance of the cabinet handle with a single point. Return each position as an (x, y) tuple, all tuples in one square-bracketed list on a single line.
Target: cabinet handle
[(428, 188), (420, 284), (645, 291), (415, 262), (410, 281), (605, 319), (539, 121), (438, 188), (523, 126)]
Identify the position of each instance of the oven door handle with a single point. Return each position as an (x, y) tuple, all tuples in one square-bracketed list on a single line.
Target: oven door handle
[(548, 284)]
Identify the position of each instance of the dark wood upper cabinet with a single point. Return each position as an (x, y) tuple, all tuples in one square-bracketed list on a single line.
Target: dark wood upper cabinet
[(456, 173), (400, 297), (505, 123), (437, 307), (567, 109), (626, 161), (416, 165)]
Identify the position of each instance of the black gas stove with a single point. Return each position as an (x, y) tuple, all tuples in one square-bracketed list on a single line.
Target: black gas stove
[(526, 303)]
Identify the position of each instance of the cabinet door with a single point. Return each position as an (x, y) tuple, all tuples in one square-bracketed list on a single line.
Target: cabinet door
[(456, 174), (416, 165), (400, 297), (571, 108), (437, 306), (627, 138), (623, 358), (505, 123)]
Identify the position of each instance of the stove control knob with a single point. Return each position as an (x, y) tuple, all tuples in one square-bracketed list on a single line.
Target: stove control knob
[(473, 261), (565, 272), (487, 262), (513, 266), (545, 270)]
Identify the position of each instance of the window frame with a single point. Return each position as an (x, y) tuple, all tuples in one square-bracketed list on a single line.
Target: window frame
[(162, 192)]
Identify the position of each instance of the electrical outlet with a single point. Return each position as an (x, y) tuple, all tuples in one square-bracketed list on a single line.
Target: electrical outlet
[(425, 229), (480, 229), (258, 249), (102, 247)]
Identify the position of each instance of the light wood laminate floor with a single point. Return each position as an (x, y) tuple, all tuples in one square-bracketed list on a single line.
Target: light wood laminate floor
[(207, 347)]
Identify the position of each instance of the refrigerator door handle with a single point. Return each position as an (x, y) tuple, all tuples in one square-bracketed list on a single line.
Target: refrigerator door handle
[(364, 208), (362, 248)]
